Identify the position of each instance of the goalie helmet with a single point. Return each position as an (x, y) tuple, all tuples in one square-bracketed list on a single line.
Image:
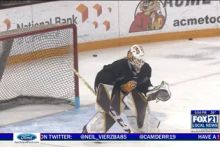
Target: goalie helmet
[(135, 56)]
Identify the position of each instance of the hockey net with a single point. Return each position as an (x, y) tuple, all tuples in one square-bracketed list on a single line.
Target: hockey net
[(36, 66)]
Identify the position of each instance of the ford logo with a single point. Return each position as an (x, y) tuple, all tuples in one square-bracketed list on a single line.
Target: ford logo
[(26, 137)]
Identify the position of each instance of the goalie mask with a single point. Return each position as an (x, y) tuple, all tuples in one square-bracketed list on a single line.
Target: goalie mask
[(135, 57)]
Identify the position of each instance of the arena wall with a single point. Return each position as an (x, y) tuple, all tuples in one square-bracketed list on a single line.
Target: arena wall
[(103, 24)]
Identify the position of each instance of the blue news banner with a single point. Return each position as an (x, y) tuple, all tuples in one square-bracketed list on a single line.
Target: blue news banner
[(201, 121), (130, 137), (120, 137)]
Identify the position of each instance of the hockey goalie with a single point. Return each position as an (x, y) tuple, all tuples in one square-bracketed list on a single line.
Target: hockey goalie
[(125, 87)]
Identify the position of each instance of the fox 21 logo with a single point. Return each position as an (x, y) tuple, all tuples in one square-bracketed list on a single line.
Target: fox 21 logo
[(205, 119)]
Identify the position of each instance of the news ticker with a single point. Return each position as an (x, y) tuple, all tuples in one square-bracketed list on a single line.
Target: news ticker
[(204, 126), (31, 137)]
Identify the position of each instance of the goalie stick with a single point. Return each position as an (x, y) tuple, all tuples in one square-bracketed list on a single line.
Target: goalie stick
[(112, 112)]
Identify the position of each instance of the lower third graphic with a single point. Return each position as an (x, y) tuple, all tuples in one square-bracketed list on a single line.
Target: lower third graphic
[(205, 120)]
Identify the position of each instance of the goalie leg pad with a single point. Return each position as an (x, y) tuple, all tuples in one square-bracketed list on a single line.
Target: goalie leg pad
[(137, 103), (108, 97), (138, 113), (103, 97), (108, 120), (140, 104), (117, 99), (101, 122), (96, 124), (150, 124)]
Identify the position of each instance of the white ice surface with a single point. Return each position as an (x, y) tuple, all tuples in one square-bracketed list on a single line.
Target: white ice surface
[(191, 67)]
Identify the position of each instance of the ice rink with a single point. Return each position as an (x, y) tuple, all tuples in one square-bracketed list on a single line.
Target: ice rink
[(191, 67)]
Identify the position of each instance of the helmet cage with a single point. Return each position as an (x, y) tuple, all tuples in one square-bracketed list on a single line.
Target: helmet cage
[(135, 57)]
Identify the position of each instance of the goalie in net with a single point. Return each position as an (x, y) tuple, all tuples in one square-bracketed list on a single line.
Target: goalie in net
[(125, 87)]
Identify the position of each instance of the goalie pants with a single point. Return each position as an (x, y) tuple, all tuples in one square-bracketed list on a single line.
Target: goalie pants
[(139, 119)]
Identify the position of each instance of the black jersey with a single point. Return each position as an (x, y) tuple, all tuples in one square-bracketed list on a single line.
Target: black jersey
[(121, 71)]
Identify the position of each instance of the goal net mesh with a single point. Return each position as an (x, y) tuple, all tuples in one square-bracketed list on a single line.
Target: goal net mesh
[(37, 66)]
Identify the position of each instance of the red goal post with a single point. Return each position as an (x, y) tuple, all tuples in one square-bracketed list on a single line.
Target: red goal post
[(36, 65)]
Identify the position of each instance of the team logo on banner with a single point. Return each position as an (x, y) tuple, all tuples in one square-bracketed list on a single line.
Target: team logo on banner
[(205, 120), (149, 15)]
